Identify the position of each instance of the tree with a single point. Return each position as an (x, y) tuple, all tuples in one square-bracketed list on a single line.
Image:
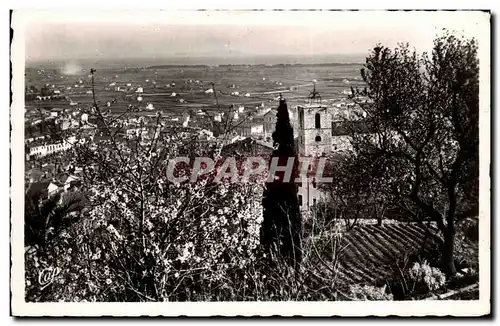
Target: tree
[(423, 115), (45, 219), (30, 93), (45, 91), (282, 221), (353, 190), (152, 238)]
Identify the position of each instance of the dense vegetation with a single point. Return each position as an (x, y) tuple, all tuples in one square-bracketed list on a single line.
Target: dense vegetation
[(423, 149), (129, 235)]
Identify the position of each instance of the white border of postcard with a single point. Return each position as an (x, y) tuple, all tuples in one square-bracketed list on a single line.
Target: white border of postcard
[(479, 22)]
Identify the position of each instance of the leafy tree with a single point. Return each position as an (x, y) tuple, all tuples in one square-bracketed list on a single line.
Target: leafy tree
[(353, 190), (45, 91), (45, 219), (282, 221), (30, 93), (423, 114), (144, 237)]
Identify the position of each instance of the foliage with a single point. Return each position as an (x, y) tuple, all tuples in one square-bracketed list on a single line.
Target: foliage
[(156, 235), (201, 244), (422, 113), (468, 228), (46, 218), (143, 238), (369, 292), (282, 221), (432, 277), (354, 192)]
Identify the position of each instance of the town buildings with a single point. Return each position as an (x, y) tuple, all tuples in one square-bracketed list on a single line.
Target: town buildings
[(40, 148)]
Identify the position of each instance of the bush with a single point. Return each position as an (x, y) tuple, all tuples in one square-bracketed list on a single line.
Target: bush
[(145, 239), (368, 292), (431, 277), (99, 263), (468, 229)]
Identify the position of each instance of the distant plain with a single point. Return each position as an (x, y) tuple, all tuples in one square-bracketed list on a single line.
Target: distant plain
[(190, 83)]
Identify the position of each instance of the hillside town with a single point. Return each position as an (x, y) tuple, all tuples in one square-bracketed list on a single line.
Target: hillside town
[(167, 163), (52, 131)]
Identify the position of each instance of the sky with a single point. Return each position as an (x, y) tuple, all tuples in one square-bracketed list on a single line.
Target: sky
[(85, 34)]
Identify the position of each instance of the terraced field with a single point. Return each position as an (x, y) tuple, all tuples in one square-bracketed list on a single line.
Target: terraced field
[(371, 251)]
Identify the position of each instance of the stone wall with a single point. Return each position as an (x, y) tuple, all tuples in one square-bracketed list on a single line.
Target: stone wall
[(313, 138)]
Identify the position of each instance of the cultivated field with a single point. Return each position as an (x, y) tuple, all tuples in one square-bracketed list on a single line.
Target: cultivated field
[(379, 256), (261, 85), (371, 252)]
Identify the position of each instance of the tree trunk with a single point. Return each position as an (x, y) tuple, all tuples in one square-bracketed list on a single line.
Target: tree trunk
[(379, 214), (449, 233), (448, 262)]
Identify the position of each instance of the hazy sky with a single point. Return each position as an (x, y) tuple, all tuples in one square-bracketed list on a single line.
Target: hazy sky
[(160, 34)]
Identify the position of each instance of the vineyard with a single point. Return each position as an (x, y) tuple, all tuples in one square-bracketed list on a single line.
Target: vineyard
[(370, 252)]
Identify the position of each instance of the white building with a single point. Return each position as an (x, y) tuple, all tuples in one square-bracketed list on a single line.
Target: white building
[(218, 117), (257, 129), (309, 194), (52, 189), (71, 179), (47, 149), (186, 120), (206, 134), (137, 131)]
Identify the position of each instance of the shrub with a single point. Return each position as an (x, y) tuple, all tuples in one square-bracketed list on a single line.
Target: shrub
[(145, 239), (423, 273), (368, 292)]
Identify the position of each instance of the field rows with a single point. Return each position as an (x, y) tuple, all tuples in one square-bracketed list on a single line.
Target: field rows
[(331, 82), (371, 251)]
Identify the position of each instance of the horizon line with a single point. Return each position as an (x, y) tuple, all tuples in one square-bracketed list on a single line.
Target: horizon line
[(200, 56)]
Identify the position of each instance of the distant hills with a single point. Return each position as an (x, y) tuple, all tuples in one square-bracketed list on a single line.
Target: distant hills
[(206, 61), (256, 65)]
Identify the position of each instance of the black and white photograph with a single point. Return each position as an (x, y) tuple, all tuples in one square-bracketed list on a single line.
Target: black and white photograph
[(250, 162)]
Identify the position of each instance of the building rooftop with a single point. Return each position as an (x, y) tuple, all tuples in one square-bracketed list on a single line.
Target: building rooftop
[(247, 146), (314, 106)]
